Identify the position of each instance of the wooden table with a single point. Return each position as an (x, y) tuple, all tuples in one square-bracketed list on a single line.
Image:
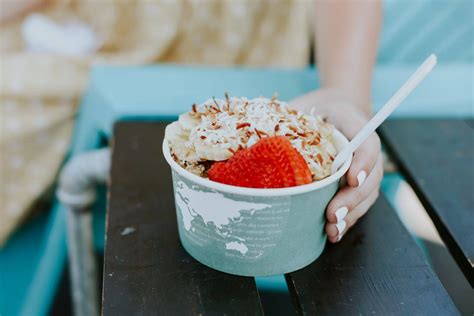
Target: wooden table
[(437, 159), (376, 269)]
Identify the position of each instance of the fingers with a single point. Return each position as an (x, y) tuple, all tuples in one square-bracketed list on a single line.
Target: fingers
[(336, 233), (364, 160), (351, 203), (361, 209), (348, 198)]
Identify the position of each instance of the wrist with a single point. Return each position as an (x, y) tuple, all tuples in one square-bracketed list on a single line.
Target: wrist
[(359, 98), (344, 112), (336, 107)]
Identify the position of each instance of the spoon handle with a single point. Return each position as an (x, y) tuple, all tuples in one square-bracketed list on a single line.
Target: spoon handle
[(387, 109)]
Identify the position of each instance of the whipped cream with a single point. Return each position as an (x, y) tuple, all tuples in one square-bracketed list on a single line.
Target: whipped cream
[(216, 129)]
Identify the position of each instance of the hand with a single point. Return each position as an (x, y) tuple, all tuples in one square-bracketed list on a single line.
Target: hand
[(363, 178)]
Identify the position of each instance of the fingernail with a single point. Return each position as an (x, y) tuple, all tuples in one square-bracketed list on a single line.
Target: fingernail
[(341, 213), (341, 225), (361, 176), (339, 237)]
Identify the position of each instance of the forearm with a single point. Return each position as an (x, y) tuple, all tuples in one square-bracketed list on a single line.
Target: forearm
[(346, 45)]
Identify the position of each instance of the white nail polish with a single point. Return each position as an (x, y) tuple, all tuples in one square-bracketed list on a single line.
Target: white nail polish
[(341, 213), (361, 178), (339, 237), (341, 225)]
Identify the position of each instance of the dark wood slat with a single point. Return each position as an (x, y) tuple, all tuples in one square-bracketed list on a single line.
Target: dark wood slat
[(147, 272), (437, 159), (377, 269)]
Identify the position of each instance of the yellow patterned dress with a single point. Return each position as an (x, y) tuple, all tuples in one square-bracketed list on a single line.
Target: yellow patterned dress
[(39, 90)]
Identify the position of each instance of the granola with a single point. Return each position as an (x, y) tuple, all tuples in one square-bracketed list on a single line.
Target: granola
[(217, 128)]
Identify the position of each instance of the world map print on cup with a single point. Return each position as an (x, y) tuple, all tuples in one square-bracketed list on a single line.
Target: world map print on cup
[(233, 225), (250, 235)]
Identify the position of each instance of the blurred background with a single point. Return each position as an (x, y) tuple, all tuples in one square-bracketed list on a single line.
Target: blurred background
[(47, 51)]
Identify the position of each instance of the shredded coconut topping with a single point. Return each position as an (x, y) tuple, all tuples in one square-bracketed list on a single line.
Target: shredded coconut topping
[(216, 129)]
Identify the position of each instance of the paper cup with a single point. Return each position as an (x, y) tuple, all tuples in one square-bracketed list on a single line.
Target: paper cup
[(252, 232)]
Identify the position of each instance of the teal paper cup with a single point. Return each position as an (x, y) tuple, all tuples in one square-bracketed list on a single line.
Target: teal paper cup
[(252, 232)]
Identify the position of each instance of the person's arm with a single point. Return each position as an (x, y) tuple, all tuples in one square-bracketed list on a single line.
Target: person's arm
[(346, 34), (346, 43)]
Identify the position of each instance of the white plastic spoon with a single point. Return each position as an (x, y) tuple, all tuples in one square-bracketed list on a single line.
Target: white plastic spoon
[(384, 112)]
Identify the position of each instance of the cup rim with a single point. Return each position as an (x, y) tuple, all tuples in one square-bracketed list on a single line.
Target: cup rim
[(226, 188)]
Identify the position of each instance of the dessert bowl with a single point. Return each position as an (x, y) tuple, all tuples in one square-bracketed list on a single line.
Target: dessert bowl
[(249, 231)]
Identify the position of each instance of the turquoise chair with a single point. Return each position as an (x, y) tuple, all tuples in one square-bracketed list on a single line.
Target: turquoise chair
[(33, 260)]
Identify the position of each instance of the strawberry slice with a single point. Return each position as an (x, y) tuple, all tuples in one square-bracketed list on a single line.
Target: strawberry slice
[(271, 163)]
